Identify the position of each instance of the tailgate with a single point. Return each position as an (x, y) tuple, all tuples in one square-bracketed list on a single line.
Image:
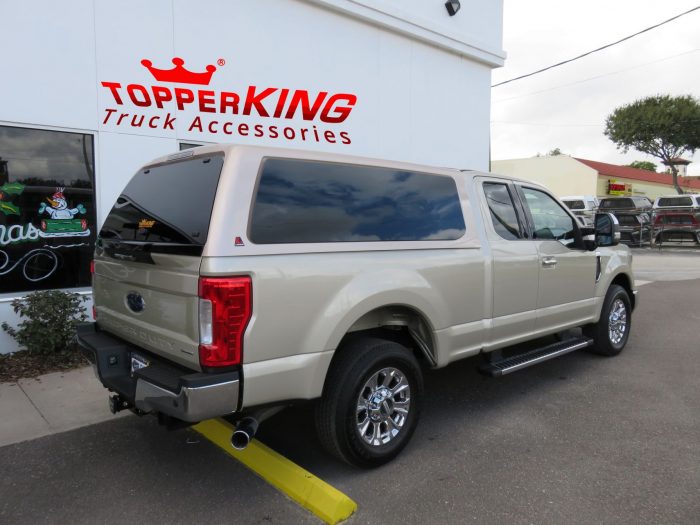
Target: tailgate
[(148, 254), (154, 306)]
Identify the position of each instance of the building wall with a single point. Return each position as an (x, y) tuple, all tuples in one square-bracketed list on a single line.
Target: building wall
[(562, 174), (421, 78)]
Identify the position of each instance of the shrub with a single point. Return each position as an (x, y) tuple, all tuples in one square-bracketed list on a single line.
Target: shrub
[(49, 320)]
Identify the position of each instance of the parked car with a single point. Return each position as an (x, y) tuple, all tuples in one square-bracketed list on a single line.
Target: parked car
[(634, 215), (235, 280), (676, 219), (584, 207)]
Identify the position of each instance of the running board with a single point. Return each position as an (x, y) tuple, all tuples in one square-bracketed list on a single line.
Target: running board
[(511, 364)]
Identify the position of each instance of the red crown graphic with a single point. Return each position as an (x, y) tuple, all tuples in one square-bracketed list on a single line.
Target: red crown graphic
[(179, 74)]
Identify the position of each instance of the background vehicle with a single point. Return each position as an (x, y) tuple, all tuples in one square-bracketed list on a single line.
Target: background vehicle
[(634, 215), (584, 207), (234, 280), (676, 219)]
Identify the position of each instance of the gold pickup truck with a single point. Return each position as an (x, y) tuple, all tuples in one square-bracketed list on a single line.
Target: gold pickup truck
[(234, 280)]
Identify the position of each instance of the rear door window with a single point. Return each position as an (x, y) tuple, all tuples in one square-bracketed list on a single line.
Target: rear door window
[(300, 201), (167, 207)]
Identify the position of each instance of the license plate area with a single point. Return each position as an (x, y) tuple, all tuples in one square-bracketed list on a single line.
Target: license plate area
[(138, 362)]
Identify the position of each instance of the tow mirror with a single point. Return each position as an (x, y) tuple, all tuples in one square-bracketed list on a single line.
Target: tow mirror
[(607, 229)]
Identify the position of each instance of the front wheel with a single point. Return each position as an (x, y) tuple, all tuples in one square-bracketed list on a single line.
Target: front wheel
[(369, 407), (612, 330)]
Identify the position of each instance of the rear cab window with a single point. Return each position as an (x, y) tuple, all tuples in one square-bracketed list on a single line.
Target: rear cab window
[(164, 208), (300, 201)]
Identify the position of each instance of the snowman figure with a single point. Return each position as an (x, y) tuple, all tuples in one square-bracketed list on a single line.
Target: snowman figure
[(58, 206)]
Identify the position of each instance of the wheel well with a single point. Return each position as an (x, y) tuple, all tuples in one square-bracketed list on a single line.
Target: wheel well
[(400, 324), (624, 281)]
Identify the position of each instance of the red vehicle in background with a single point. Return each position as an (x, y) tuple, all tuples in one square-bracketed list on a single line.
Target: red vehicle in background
[(676, 219)]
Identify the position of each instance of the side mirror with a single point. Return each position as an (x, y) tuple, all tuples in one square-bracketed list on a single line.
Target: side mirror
[(607, 229)]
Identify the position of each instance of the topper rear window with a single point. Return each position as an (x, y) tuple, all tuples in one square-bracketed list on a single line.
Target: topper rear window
[(301, 201), (670, 202), (167, 207)]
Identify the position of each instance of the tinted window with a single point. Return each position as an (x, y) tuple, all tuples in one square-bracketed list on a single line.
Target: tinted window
[(502, 210), (47, 209), (549, 219), (620, 204), (575, 205), (303, 201), (627, 220), (684, 220), (675, 201), (167, 204)]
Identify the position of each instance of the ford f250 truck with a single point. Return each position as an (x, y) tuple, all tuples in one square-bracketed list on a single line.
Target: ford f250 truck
[(233, 280)]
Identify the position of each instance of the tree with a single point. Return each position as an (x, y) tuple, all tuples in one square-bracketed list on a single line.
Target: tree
[(662, 126), (643, 165), (554, 153)]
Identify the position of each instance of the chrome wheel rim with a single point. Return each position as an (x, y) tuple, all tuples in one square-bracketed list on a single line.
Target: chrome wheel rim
[(383, 406), (617, 322)]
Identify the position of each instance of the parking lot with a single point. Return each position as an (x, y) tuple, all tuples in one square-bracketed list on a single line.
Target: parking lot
[(579, 439)]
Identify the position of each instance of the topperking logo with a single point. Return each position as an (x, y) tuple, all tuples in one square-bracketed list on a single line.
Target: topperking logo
[(224, 112)]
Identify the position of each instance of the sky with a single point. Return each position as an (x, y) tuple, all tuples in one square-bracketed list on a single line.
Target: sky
[(566, 107)]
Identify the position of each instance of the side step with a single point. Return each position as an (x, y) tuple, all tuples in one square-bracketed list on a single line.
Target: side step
[(511, 364)]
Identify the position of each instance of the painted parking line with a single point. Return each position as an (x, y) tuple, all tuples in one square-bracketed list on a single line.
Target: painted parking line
[(312, 493)]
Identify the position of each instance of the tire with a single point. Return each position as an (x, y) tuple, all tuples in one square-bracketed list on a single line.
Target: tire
[(611, 332), (385, 379)]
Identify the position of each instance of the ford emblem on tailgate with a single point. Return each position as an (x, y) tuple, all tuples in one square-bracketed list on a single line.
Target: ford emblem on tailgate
[(135, 302)]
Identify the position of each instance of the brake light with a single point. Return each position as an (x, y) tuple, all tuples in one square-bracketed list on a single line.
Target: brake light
[(92, 267), (225, 308)]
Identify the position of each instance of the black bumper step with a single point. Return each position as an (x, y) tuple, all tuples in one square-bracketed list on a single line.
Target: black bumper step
[(538, 355)]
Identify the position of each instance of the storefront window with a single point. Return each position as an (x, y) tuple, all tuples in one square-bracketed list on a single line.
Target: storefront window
[(47, 209)]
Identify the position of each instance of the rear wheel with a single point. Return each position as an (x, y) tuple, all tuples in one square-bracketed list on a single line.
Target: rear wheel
[(369, 407), (612, 330)]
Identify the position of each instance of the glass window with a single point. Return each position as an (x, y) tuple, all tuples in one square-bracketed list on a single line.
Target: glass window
[(550, 220), (189, 145), (47, 209), (575, 205), (619, 204), (304, 201), (168, 205), (502, 209), (670, 202), (627, 220)]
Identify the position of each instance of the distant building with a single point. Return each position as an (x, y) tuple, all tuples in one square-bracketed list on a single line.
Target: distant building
[(566, 175)]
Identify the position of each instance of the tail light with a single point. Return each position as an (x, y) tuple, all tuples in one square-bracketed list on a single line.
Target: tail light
[(92, 267), (225, 308)]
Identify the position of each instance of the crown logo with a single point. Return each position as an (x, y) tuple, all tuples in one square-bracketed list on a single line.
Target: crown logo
[(179, 74)]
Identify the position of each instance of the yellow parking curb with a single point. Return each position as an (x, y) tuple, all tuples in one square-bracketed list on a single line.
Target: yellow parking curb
[(312, 493)]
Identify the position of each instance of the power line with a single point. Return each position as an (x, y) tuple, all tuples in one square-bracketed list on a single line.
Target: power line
[(597, 49), (576, 82)]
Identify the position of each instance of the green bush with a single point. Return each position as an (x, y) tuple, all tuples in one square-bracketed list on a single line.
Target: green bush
[(49, 320)]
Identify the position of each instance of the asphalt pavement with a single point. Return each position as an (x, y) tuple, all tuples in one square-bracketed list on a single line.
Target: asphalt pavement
[(579, 439)]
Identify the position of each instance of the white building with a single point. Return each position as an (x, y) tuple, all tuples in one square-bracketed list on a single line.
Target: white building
[(91, 90)]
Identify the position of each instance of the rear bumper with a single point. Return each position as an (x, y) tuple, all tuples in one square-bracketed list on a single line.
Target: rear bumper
[(162, 386)]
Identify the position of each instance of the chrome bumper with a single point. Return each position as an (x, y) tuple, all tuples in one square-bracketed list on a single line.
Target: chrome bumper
[(162, 386)]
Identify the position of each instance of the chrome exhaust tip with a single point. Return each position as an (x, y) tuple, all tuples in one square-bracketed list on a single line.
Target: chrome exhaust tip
[(244, 433)]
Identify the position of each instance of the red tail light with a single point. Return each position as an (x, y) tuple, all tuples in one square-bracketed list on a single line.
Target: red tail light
[(92, 267), (225, 308)]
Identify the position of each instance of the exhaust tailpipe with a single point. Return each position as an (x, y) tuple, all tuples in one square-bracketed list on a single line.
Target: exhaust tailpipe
[(244, 433)]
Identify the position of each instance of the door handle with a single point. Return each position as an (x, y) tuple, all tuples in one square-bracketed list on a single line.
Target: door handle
[(549, 262)]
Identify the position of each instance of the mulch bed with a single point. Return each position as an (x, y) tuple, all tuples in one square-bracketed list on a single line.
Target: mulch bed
[(24, 365)]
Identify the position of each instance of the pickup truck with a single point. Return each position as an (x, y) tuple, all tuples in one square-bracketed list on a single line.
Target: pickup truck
[(234, 280)]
